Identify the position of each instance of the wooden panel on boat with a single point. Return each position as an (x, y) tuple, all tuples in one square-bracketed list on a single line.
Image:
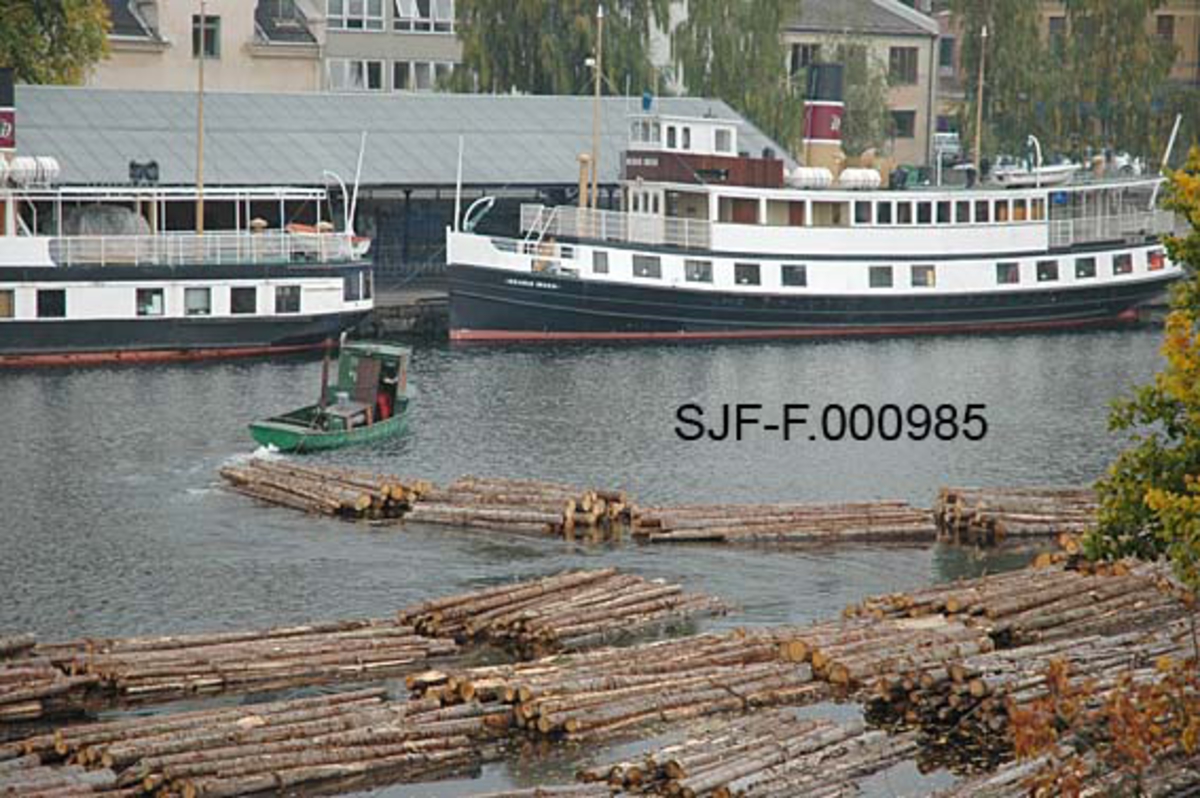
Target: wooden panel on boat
[(366, 381), (745, 211), (680, 167)]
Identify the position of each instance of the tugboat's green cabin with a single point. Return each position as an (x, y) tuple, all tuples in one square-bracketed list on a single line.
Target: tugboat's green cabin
[(368, 370)]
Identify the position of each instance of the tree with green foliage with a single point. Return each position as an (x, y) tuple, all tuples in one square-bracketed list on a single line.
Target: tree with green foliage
[(1150, 497), (732, 50), (866, 119), (542, 46), (53, 41)]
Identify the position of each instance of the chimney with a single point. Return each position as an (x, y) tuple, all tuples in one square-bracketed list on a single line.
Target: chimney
[(8, 112), (823, 109)]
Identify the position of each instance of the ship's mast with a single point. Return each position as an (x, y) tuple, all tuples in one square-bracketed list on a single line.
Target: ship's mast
[(200, 125), (596, 108), (983, 35)]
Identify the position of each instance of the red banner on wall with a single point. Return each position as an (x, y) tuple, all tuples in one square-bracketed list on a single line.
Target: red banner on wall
[(8, 129), (823, 121)]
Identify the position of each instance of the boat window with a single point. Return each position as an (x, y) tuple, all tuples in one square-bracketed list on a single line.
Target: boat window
[(962, 211), (1008, 273), (287, 299), (243, 300), (52, 303), (197, 301), (862, 212), (8, 304), (697, 271), (1038, 210), (599, 262), (746, 274), (903, 213), (943, 212), (351, 288), (368, 284), (687, 138), (881, 276), (981, 211), (795, 276), (1155, 261), (504, 244), (1000, 209), (883, 213), (1085, 268), (657, 137), (566, 252), (654, 203), (1123, 264), (671, 136), (924, 276), (150, 302), (924, 213), (647, 266), (1047, 271), (1019, 214)]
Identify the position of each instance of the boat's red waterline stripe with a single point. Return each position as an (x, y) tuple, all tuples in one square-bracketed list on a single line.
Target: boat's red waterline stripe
[(148, 355), (506, 336)]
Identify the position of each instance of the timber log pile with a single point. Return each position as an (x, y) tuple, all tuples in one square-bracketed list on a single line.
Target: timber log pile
[(264, 747), (986, 516), (31, 687), (601, 693), (568, 611), (326, 490), (525, 506), (878, 521), (767, 754)]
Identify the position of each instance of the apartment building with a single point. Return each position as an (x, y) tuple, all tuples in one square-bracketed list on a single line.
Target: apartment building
[(389, 45)]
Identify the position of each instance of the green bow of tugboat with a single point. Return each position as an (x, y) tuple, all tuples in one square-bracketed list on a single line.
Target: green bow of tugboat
[(368, 402)]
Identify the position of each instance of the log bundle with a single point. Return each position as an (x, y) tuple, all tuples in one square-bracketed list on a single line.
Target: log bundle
[(601, 693), (770, 753), (32, 687), (877, 521), (525, 506), (986, 516), (327, 490), (568, 611)]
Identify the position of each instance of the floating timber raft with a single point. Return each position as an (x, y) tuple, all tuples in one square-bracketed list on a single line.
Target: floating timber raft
[(569, 611), (880, 521), (326, 490), (986, 516)]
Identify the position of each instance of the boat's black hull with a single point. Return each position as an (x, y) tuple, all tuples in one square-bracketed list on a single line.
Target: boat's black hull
[(497, 305), (45, 342)]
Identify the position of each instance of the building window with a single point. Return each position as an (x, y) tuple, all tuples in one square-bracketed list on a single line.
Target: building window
[(351, 288), (8, 304), (1123, 264), (1156, 261), (946, 53), (150, 302), (883, 213), (647, 266), (287, 299), (687, 138), (794, 276), (904, 124), (803, 56), (197, 301), (442, 70), (903, 213), (924, 213), (697, 271), (1085, 268), (353, 74), (862, 212), (1008, 273), (902, 66), (425, 16), (962, 212), (599, 262), (423, 76), (1165, 27), (401, 76), (981, 211), (243, 300), (1058, 35), (880, 277), (1047, 271), (724, 140), (355, 14), (211, 30), (746, 274), (52, 303), (924, 277)]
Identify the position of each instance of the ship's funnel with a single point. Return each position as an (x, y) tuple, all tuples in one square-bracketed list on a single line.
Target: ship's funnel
[(823, 109), (8, 111)]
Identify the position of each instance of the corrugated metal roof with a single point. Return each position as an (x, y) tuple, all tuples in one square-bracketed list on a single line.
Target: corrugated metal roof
[(260, 139), (879, 17)]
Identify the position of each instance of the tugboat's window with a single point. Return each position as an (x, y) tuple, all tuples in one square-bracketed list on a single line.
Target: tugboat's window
[(150, 302), (981, 211), (1123, 264), (243, 300), (697, 271), (1047, 271), (883, 213), (903, 213), (962, 212), (746, 274), (1085, 268), (1008, 273), (670, 137), (1155, 261), (924, 276), (1001, 211), (943, 212), (862, 212), (52, 303), (8, 304), (197, 301), (881, 276), (795, 276), (287, 299), (687, 138), (599, 262), (924, 213), (647, 266)]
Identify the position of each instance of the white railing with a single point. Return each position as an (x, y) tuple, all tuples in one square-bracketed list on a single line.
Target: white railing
[(208, 249), (634, 228), (1085, 229)]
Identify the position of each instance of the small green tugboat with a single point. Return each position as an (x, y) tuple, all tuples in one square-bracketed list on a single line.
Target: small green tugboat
[(368, 402)]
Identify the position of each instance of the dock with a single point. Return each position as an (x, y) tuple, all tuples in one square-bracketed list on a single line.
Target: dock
[(421, 311)]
